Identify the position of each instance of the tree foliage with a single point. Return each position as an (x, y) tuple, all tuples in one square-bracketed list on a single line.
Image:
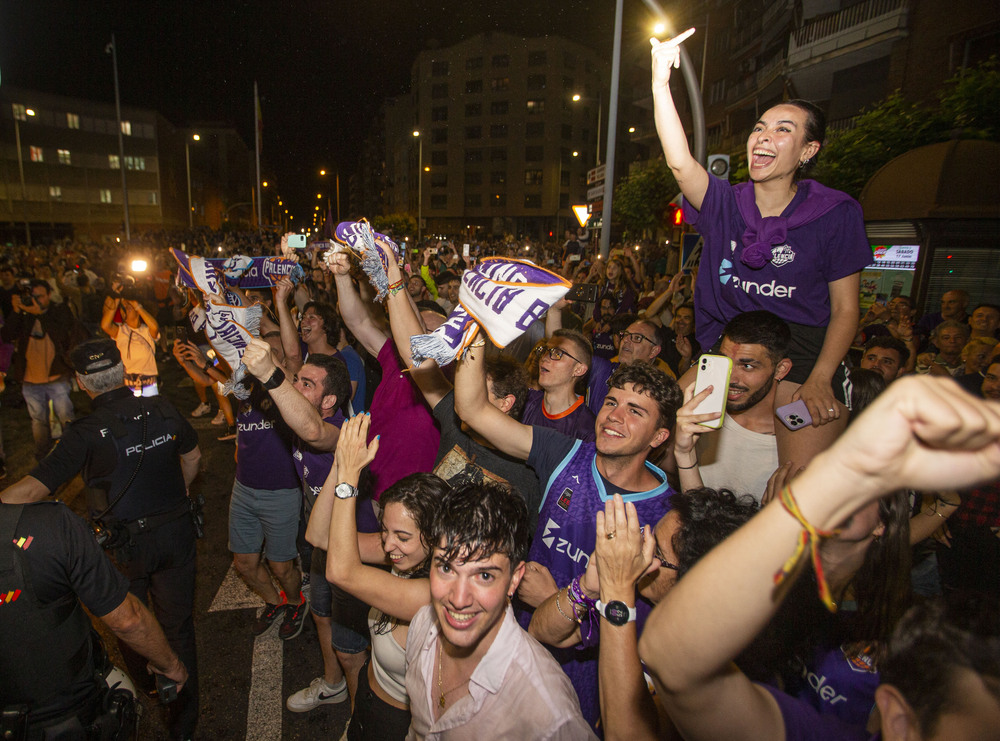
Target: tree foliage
[(641, 198), (396, 225), (968, 108)]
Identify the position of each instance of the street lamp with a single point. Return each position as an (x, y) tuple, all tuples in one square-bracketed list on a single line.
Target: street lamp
[(420, 183), (187, 160), (20, 169)]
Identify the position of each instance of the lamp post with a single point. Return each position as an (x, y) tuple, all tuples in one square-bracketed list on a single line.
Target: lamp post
[(112, 49), (20, 169), (420, 183), (187, 161)]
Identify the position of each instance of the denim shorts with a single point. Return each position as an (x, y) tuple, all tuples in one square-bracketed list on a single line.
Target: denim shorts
[(268, 517), (348, 615)]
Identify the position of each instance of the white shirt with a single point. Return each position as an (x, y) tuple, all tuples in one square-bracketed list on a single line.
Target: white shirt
[(737, 459), (518, 691)]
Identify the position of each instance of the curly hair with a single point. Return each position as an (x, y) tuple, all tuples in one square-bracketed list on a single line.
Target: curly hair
[(507, 377), (707, 517), (661, 388)]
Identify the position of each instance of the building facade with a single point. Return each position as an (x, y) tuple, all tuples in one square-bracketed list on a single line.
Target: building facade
[(501, 146)]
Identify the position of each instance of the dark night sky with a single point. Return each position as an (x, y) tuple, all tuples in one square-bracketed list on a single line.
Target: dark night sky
[(323, 68)]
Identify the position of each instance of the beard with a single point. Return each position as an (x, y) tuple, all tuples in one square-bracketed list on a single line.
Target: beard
[(752, 400)]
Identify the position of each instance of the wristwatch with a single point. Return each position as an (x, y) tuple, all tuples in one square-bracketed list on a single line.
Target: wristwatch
[(276, 379), (345, 491), (615, 612)]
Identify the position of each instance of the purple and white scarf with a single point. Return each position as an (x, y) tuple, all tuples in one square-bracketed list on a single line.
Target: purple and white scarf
[(229, 324), (503, 297), (359, 238)]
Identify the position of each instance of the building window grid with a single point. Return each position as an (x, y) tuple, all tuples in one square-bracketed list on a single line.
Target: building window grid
[(36, 154), (536, 107), (105, 195), (499, 84), (127, 128), (72, 121), (113, 162), (20, 111), (65, 158), (533, 177), (55, 192)]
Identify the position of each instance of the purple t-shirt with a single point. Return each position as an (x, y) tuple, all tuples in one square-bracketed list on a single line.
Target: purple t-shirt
[(793, 284), (263, 447), (805, 723), (410, 436), (577, 421), (313, 466), (837, 684)]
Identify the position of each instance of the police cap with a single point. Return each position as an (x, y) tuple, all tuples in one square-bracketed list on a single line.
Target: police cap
[(94, 356)]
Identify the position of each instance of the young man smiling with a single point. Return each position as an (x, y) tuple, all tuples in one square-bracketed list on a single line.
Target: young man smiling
[(638, 413), (471, 671)]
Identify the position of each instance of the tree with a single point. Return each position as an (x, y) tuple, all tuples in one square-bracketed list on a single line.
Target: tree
[(395, 225), (642, 197), (969, 108)]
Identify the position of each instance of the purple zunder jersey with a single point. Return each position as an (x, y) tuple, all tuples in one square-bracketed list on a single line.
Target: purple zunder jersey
[(263, 447), (313, 466), (574, 492), (804, 723), (793, 283)]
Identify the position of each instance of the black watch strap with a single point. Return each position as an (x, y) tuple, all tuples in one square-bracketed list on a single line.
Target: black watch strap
[(276, 379)]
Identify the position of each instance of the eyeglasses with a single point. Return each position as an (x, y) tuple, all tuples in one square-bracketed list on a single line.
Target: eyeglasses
[(555, 353), (635, 337), (665, 563)]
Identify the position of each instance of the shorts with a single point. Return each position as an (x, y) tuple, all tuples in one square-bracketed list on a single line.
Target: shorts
[(348, 614), (264, 517)]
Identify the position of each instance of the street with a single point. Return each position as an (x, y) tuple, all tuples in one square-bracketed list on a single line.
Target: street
[(244, 681)]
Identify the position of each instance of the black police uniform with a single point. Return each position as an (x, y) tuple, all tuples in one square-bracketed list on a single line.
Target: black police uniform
[(49, 562), (132, 445)]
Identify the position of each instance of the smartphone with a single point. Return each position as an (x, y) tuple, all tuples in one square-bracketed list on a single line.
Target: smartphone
[(586, 292), (794, 416), (297, 241), (465, 249), (434, 250), (713, 370)]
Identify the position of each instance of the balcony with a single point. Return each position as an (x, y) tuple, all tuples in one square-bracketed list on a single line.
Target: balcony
[(865, 23)]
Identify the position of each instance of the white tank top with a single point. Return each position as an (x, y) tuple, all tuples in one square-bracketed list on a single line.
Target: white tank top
[(388, 661)]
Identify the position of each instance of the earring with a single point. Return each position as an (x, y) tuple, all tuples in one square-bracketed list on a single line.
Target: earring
[(804, 162)]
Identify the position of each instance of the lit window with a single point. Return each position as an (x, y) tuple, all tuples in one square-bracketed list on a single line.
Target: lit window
[(105, 195), (20, 112), (536, 106), (64, 157), (55, 192), (36, 154), (113, 162), (152, 198), (127, 128), (72, 120)]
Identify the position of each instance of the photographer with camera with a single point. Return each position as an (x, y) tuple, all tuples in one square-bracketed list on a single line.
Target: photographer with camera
[(43, 334), (135, 331), (138, 456)]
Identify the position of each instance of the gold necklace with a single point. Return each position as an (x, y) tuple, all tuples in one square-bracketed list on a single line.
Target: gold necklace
[(441, 692)]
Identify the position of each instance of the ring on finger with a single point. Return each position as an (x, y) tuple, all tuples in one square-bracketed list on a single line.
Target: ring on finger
[(611, 535)]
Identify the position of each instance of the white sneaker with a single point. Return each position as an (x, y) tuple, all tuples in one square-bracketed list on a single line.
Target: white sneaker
[(317, 693), (201, 410), (220, 419)]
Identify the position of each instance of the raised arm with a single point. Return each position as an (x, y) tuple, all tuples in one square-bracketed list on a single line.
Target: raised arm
[(405, 323), (474, 408), (687, 433), (297, 411), (398, 598), (149, 319), (286, 325), (352, 310), (921, 433), (108, 325), (688, 172)]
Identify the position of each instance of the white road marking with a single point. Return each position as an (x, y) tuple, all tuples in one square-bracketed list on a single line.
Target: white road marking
[(234, 594)]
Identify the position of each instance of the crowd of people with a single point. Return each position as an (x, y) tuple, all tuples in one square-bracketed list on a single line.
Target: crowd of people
[(545, 540)]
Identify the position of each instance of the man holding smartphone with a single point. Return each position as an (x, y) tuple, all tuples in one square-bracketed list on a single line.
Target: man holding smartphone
[(743, 454)]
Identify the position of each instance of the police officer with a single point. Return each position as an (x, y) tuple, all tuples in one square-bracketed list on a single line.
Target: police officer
[(49, 562), (138, 456)]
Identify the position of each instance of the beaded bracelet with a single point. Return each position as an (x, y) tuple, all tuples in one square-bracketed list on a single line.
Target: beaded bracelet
[(396, 287), (559, 607)]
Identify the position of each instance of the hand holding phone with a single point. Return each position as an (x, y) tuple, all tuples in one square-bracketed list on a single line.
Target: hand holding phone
[(794, 416), (713, 370)]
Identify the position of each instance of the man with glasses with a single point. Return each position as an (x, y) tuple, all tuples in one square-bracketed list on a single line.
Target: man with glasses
[(44, 333), (562, 368)]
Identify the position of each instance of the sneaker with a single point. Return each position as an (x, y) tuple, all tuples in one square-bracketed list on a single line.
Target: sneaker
[(201, 410), (306, 585), (230, 433), (317, 693), (291, 626), (219, 419), (266, 619)]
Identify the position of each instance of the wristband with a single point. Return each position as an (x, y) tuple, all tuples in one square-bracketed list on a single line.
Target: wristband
[(206, 366), (688, 468), (396, 287), (277, 378)]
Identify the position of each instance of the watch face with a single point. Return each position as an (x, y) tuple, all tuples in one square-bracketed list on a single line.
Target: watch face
[(345, 491), (616, 612)]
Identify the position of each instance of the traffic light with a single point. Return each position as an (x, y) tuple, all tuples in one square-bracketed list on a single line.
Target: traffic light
[(675, 215), (718, 165)]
